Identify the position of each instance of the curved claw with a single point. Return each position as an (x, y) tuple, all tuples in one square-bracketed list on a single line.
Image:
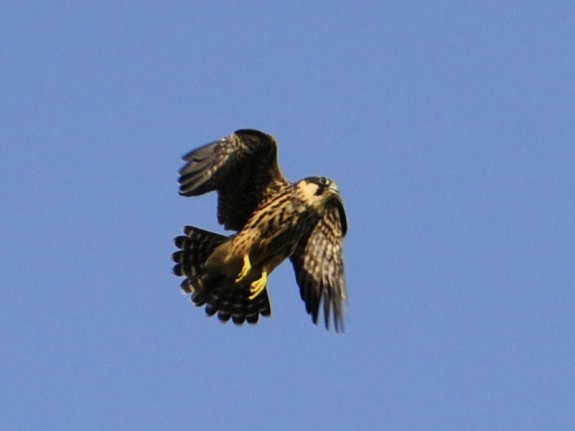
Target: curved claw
[(258, 286), (245, 269)]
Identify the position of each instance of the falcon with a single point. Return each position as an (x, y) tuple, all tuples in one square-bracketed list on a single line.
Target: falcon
[(274, 220)]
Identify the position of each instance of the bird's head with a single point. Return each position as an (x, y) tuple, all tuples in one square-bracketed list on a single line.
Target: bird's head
[(317, 191), (322, 194)]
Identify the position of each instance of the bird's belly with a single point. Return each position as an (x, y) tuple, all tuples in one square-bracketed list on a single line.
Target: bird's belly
[(274, 247), (263, 246)]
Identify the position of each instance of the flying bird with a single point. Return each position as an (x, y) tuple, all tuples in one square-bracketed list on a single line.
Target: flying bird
[(274, 220)]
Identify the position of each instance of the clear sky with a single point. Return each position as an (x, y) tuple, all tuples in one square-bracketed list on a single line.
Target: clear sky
[(450, 130)]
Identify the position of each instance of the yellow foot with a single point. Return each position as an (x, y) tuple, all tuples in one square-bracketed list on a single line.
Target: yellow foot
[(245, 269), (259, 285)]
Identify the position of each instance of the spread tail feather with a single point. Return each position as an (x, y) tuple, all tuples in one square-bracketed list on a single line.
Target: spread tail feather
[(217, 294), (195, 248)]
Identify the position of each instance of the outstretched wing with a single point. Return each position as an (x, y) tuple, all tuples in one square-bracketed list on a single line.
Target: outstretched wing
[(242, 167), (318, 265)]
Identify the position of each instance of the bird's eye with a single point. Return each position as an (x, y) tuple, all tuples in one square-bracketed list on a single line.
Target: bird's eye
[(323, 181)]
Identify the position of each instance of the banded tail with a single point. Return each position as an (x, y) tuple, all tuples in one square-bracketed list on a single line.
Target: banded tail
[(220, 295)]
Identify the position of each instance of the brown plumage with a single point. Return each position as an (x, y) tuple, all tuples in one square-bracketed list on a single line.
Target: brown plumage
[(274, 220)]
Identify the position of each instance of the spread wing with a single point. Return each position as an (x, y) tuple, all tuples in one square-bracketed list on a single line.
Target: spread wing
[(241, 167), (318, 265)]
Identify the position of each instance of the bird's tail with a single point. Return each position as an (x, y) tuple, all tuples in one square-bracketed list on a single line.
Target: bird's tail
[(218, 294), (195, 248)]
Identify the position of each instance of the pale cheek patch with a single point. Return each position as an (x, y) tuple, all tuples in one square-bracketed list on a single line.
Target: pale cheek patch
[(308, 191)]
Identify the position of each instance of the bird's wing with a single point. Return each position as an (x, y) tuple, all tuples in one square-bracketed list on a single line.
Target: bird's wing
[(318, 265), (242, 167)]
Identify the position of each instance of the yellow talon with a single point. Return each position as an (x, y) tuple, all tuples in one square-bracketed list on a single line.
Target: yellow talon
[(258, 286), (245, 269)]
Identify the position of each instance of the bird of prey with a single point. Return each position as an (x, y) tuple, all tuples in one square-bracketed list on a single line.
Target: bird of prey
[(274, 220)]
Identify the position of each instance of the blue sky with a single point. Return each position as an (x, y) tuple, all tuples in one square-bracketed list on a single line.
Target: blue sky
[(450, 130)]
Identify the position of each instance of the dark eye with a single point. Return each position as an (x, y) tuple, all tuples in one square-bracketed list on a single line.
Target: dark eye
[(323, 181)]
